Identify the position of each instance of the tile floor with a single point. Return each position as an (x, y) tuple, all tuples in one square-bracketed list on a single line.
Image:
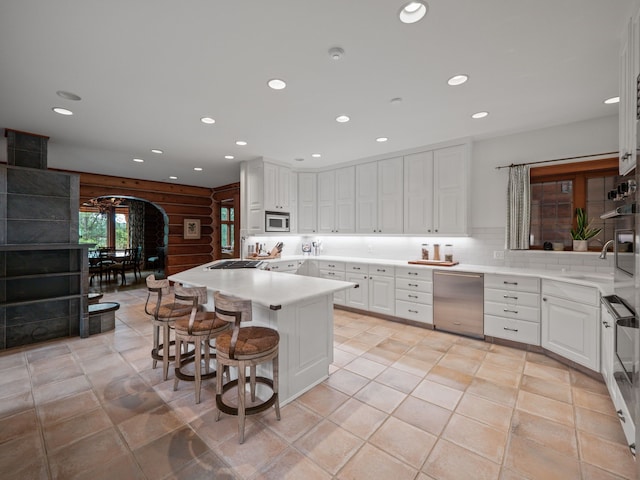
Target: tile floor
[(401, 403)]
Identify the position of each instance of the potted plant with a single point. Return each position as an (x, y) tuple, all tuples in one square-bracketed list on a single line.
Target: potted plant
[(583, 231)]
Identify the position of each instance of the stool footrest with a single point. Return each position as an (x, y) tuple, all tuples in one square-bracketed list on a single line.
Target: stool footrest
[(188, 358), (229, 410), (158, 356)]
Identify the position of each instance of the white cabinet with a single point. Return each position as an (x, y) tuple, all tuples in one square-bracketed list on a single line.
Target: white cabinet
[(277, 187), (414, 294), (334, 271), (284, 266), (336, 201), (379, 196), (376, 287), (307, 204), (512, 308), (571, 322), (436, 193), (628, 71)]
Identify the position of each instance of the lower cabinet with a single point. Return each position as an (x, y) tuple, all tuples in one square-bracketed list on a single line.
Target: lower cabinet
[(334, 271), (376, 286), (570, 322), (414, 294)]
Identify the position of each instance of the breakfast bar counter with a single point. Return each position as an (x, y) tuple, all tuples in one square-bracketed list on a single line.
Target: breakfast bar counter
[(299, 307)]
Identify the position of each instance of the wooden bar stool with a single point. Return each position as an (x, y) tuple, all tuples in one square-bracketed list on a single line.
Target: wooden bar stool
[(242, 348), (163, 316), (199, 328)]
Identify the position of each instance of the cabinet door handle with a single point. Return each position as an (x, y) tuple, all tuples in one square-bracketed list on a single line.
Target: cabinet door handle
[(510, 311), (412, 296), (356, 268), (380, 270), (510, 283), (510, 329), (510, 296), (412, 311), (632, 447), (606, 324), (412, 273), (544, 299), (621, 416), (412, 284)]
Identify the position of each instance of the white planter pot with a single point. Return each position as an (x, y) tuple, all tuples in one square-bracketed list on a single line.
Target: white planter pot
[(580, 245)]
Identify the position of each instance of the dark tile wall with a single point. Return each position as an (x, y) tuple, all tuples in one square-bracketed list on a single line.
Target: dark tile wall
[(26, 150)]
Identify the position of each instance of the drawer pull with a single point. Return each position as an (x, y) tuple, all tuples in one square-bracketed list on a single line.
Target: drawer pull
[(621, 416), (412, 296), (510, 311), (380, 270), (331, 266), (510, 296), (412, 273), (511, 329), (356, 268), (412, 284), (606, 324), (330, 273), (412, 311), (510, 283), (632, 447)]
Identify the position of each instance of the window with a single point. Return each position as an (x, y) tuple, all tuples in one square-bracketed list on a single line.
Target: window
[(556, 192), (227, 218), (94, 227)]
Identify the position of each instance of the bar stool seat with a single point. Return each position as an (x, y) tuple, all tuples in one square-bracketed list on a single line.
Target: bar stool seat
[(198, 328), (242, 348)]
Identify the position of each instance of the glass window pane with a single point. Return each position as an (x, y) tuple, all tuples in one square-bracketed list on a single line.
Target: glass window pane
[(224, 235), (224, 214), (93, 228)]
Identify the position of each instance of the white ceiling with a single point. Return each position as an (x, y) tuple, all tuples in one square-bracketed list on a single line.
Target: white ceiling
[(148, 70)]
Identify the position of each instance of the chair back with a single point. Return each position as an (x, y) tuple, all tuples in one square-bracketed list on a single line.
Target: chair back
[(159, 287), (232, 309), (190, 294)]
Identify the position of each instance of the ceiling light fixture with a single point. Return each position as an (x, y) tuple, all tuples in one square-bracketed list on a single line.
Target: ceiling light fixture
[(138, 160), (62, 111), (229, 157), (479, 115), (197, 169), (342, 119), (207, 120), (336, 53), (241, 143), (458, 79), (381, 139), (172, 177), (413, 12), (158, 151), (68, 95), (612, 100), (316, 155), (277, 84)]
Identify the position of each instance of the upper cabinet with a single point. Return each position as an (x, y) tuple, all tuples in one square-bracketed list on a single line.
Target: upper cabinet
[(629, 70), (277, 188), (435, 195), (336, 201), (307, 204), (379, 196)]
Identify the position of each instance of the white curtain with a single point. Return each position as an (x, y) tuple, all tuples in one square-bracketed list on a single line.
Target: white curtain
[(518, 208)]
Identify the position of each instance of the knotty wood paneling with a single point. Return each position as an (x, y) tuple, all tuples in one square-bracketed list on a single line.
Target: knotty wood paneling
[(179, 203)]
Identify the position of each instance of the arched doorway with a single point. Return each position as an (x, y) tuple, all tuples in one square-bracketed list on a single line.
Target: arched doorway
[(120, 222)]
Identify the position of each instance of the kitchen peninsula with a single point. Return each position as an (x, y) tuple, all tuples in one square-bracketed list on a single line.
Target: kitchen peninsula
[(299, 307)]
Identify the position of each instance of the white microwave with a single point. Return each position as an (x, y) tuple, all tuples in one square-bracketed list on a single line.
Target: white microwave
[(276, 222)]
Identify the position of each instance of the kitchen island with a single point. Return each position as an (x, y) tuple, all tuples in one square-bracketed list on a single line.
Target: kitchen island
[(299, 307)]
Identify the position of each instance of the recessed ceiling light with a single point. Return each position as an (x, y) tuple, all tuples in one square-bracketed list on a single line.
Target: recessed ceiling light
[(241, 143), (138, 160), (612, 100), (277, 84), (229, 157), (342, 119), (458, 80), (155, 150), (413, 12), (479, 115), (316, 155), (208, 120), (336, 53), (62, 111), (299, 159), (395, 101), (172, 177), (381, 139), (197, 169), (68, 95)]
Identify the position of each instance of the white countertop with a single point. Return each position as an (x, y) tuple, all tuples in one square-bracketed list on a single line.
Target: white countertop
[(270, 289)]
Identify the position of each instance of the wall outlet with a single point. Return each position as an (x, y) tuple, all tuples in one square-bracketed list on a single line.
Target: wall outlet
[(498, 254)]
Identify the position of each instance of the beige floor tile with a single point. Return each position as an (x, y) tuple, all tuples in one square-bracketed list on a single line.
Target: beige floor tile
[(346, 381), (508, 474), (46, 351), (292, 465), (64, 361), (61, 434), (477, 437), (536, 461), (15, 404), (119, 386), (372, 463), (395, 345), (490, 413), (546, 372), (213, 432), (121, 467), (16, 387), (468, 351), (596, 423), (323, 399), (12, 358), (365, 368), (580, 380), (550, 389), (472, 342), (379, 355), (58, 410), (427, 416), (22, 423), (124, 408), (370, 338), (504, 361), (545, 407), (450, 378), (449, 461), (20, 452), (380, 396), (461, 363), (57, 390), (593, 401), (549, 434), (398, 379), (329, 445), (56, 374), (438, 394), (205, 467), (342, 358), (358, 418), (504, 350), (438, 341), (405, 442), (612, 457), (544, 360), (414, 366), (591, 472), (295, 421), (147, 426), (169, 453), (425, 353), (501, 376), (354, 346), (34, 470)]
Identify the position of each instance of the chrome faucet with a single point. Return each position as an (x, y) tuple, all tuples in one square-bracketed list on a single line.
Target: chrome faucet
[(603, 252)]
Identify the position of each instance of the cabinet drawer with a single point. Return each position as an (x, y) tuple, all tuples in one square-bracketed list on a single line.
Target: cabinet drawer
[(417, 297), (382, 270), (516, 330), (513, 283), (414, 285), (512, 298), (328, 265), (420, 273), (352, 267), (332, 275), (414, 311), (519, 312), (571, 291)]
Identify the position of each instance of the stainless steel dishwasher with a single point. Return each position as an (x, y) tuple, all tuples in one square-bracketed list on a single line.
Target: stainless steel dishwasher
[(458, 302)]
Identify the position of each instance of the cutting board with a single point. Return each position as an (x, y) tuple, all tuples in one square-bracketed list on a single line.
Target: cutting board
[(433, 263)]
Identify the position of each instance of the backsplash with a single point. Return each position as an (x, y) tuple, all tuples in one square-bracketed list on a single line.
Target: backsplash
[(477, 249)]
